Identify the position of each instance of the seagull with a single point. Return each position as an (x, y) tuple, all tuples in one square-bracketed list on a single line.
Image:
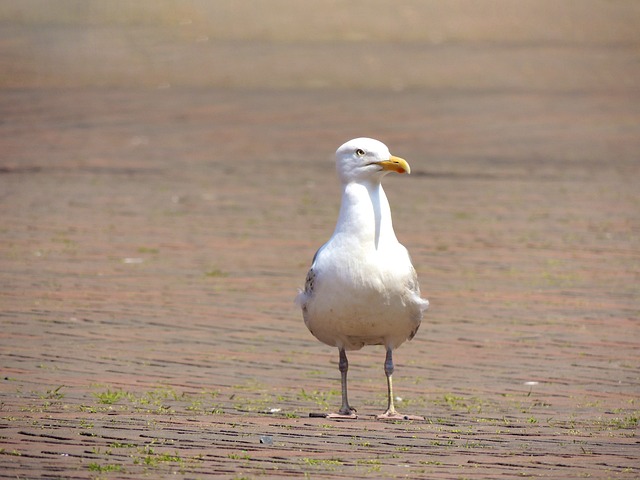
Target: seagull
[(361, 288)]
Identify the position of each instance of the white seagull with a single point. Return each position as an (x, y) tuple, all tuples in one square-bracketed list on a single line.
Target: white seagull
[(362, 288)]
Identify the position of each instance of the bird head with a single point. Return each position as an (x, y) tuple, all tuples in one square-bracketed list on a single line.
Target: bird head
[(363, 159)]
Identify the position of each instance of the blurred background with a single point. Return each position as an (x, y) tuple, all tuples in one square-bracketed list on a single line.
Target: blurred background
[(562, 46)]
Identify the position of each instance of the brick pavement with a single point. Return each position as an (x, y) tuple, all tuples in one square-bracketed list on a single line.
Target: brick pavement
[(152, 241)]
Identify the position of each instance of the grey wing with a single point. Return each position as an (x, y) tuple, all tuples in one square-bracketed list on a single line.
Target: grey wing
[(307, 293), (311, 275), (309, 282), (414, 287)]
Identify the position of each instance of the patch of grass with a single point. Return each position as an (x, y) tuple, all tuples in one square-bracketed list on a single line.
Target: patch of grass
[(462, 215), (216, 273), (196, 405), (53, 394), (248, 404), (201, 403), (437, 443), (150, 458), (157, 395), (121, 445), (148, 250), (454, 401), (359, 443), (154, 401), (374, 465), (619, 423), (469, 444), (321, 399), (161, 400), (14, 453), (110, 396), (321, 461), (109, 467), (86, 424), (237, 456), (471, 404)]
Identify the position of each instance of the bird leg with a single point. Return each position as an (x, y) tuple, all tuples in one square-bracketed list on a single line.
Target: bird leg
[(388, 370), (346, 411), (391, 413)]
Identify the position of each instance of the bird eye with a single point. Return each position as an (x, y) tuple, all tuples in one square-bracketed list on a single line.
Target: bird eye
[(360, 152)]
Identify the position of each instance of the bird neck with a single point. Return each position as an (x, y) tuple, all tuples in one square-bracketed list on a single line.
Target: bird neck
[(365, 215)]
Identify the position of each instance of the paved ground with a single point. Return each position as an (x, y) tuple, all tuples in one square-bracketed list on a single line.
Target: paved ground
[(155, 229)]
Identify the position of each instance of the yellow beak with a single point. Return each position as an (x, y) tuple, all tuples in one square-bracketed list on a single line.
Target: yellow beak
[(395, 164)]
